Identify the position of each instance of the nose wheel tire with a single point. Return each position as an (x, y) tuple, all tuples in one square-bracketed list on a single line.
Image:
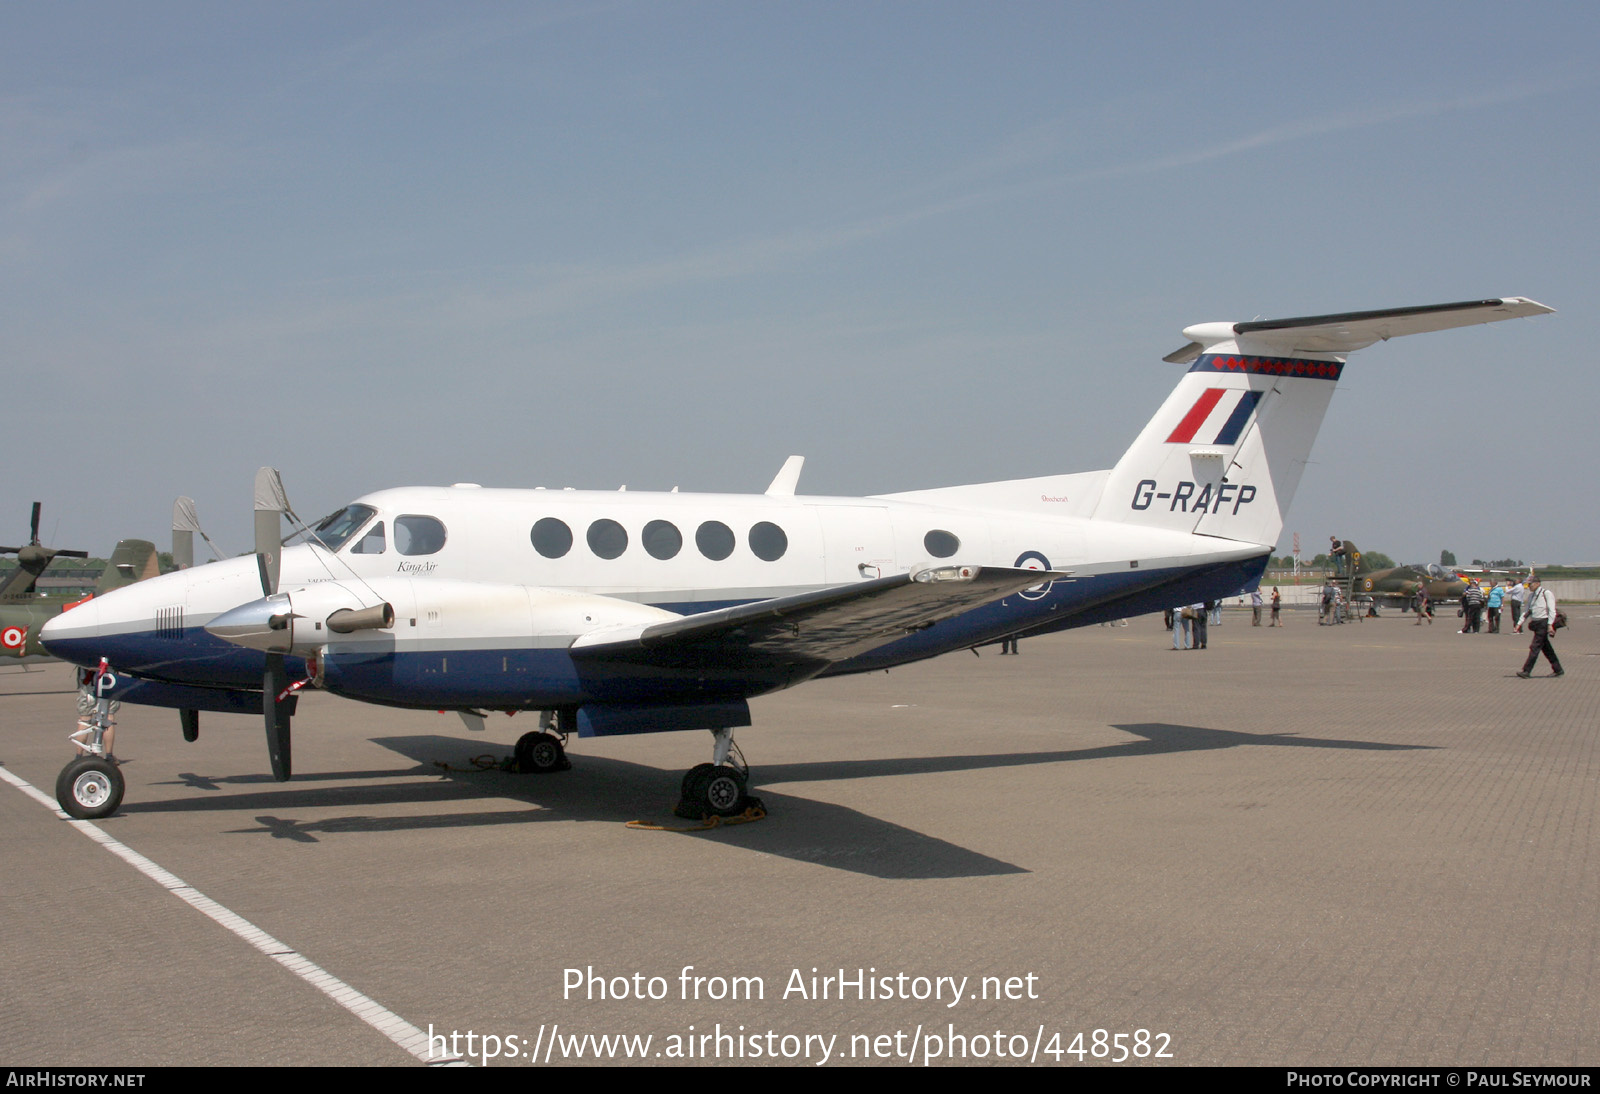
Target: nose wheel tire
[(89, 788), (540, 754)]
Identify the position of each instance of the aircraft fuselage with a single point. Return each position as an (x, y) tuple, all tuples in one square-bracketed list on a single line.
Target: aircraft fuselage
[(491, 587)]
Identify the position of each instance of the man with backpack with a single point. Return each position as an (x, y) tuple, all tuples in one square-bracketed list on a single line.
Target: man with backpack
[(1541, 619)]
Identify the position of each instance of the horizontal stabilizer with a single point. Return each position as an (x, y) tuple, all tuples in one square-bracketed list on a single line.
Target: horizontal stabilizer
[(1346, 332)]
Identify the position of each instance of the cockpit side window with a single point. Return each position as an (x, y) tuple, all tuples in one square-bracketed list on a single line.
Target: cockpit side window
[(418, 535), (332, 531), (372, 543)]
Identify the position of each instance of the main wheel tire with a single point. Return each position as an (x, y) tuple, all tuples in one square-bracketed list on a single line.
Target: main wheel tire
[(540, 754), (711, 791), (89, 788)]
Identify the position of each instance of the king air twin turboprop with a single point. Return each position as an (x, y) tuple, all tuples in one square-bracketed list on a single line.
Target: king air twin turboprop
[(632, 612)]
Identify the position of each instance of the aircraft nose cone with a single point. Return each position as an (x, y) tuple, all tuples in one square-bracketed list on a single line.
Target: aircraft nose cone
[(83, 621), (77, 634)]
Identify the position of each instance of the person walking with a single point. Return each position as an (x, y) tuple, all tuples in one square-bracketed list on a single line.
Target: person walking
[(1497, 594), (1421, 604), (1541, 620), (1277, 606)]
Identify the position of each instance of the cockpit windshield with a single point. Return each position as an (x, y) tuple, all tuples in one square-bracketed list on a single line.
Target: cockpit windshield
[(333, 532)]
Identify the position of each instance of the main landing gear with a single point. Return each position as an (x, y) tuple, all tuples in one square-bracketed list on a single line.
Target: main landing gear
[(91, 786), (542, 752), (717, 789)]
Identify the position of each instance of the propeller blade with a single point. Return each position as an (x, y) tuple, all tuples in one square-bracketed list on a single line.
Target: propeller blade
[(270, 505), (277, 716), (185, 522), (33, 534)]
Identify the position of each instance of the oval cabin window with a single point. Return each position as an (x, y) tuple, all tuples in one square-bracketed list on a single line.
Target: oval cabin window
[(941, 544), (715, 540), (551, 537), (661, 539), (607, 538), (768, 541)]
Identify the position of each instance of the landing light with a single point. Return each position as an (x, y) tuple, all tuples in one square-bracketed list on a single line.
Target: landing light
[(946, 573)]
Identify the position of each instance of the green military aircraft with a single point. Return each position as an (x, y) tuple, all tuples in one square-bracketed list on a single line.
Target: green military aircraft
[(1397, 585), (23, 613)]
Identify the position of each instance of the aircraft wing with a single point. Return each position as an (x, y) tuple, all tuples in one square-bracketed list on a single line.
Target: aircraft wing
[(809, 631)]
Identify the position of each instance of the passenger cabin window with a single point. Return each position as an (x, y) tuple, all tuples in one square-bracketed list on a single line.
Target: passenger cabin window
[(941, 544), (715, 540), (551, 537), (768, 541), (414, 535), (372, 543), (332, 531), (662, 539), (607, 538)]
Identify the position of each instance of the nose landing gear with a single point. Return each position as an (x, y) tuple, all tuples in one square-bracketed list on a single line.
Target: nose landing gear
[(91, 786)]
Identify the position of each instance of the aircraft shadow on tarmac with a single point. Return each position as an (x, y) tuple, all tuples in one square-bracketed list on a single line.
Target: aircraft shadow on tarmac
[(1158, 738), (801, 829), (616, 791)]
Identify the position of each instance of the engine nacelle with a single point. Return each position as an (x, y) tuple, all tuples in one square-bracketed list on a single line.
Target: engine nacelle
[(465, 644), (300, 620)]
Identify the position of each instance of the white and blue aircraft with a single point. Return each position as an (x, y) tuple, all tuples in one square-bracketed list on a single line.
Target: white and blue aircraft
[(633, 612)]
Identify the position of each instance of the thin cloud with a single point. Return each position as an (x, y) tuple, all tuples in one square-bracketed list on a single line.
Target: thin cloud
[(561, 290)]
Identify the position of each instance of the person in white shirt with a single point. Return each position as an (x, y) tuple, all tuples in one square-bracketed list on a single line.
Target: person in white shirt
[(1541, 620), (1519, 600)]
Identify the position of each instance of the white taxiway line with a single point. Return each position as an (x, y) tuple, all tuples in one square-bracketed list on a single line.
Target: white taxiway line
[(380, 1018)]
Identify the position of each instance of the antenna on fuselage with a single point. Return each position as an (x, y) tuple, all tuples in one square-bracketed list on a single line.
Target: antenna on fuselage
[(787, 478)]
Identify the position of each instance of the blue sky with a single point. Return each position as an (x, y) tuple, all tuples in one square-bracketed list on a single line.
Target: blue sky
[(671, 243)]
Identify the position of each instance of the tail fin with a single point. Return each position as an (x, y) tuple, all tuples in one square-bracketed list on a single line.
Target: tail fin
[(1224, 454), (133, 560)]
